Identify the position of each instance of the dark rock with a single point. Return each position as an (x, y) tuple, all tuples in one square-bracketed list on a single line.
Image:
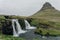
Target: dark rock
[(47, 5), (7, 28), (22, 23), (7, 17)]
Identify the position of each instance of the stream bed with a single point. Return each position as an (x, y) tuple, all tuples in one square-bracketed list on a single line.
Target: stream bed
[(30, 35)]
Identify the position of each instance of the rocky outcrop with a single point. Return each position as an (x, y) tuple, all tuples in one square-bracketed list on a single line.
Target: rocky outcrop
[(7, 28), (47, 5)]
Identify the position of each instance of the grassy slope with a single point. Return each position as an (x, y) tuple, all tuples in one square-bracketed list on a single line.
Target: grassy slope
[(48, 16)]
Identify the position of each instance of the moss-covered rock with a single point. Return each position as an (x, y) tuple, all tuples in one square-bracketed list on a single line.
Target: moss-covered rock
[(7, 27)]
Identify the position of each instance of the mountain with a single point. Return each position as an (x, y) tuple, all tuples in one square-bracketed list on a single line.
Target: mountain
[(47, 19), (47, 5), (47, 11)]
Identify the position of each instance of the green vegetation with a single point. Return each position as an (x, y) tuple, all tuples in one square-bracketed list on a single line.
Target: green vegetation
[(53, 28), (47, 20), (52, 32), (7, 37)]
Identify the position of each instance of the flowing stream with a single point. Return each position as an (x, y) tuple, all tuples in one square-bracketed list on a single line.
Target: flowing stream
[(30, 35)]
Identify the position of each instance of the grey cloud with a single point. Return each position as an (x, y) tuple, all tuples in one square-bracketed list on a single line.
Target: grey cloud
[(24, 7)]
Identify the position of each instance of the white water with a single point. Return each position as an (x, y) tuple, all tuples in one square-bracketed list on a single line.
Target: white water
[(18, 27), (14, 31), (28, 26)]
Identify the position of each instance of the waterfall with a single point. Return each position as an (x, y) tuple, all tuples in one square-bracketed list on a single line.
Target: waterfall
[(14, 31), (28, 26), (18, 27)]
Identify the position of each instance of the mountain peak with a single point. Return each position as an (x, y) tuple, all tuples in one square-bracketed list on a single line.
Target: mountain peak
[(47, 5)]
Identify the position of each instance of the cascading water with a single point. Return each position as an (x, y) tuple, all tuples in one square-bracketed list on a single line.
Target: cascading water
[(18, 27), (28, 26), (14, 31)]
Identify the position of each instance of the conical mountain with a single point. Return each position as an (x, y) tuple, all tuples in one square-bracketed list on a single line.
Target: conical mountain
[(47, 5), (47, 10)]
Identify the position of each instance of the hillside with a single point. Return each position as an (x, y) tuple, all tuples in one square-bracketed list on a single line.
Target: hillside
[(48, 12), (47, 20)]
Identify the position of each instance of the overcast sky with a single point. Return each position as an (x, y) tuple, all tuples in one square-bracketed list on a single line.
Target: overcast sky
[(24, 7)]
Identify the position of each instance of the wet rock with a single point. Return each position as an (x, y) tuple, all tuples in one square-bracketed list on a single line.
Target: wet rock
[(22, 23), (7, 28)]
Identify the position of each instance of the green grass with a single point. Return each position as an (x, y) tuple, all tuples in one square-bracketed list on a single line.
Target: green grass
[(10, 37), (50, 31), (47, 13), (53, 28)]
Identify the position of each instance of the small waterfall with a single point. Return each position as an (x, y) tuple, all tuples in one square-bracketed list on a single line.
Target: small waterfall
[(28, 26), (18, 27), (14, 31)]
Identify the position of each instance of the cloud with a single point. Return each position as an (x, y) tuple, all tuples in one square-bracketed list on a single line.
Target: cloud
[(24, 7)]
